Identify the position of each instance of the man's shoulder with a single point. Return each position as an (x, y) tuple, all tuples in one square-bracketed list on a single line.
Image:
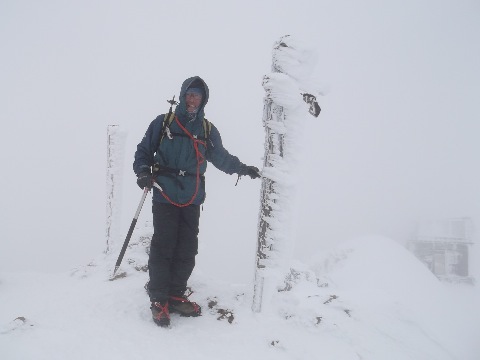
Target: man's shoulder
[(157, 121), (212, 128), (160, 117)]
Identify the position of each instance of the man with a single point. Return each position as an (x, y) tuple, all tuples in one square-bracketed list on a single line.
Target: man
[(178, 152)]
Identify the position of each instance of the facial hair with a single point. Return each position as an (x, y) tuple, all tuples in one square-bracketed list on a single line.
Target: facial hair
[(191, 115)]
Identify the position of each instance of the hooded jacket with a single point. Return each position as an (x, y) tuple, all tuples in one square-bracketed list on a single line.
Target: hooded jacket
[(178, 157)]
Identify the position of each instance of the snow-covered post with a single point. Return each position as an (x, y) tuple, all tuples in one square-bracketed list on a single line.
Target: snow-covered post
[(115, 150), (283, 118)]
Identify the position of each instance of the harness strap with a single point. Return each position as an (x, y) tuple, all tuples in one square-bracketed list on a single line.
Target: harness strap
[(164, 170), (184, 135), (159, 170), (167, 121)]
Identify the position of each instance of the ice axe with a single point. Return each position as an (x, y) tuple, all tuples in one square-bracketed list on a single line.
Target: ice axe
[(130, 231), (132, 226)]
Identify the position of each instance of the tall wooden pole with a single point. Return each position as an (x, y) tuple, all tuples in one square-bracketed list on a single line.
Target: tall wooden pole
[(114, 145), (274, 149), (273, 230)]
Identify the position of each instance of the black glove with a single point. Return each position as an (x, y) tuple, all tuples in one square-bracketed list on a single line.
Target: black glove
[(145, 180), (251, 171)]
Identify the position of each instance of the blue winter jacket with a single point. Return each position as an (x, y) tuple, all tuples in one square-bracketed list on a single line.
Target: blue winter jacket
[(178, 158)]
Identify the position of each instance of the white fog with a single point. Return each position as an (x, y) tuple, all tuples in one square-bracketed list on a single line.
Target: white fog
[(395, 144)]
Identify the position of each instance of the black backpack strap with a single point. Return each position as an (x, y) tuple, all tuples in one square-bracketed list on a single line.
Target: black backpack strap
[(167, 121), (207, 128)]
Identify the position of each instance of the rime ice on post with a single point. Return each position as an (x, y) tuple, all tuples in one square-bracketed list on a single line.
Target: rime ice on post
[(287, 87), (115, 150)]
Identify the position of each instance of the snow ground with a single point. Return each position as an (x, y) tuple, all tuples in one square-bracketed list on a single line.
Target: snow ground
[(368, 299)]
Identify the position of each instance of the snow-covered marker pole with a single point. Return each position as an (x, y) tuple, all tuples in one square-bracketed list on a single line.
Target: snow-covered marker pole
[(283, 115), (115, 150)]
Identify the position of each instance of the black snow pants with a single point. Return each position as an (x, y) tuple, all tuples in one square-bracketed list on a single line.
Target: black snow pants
[(173, 249)]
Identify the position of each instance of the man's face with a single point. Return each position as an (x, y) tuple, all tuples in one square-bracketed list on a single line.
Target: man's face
[(193, 101)]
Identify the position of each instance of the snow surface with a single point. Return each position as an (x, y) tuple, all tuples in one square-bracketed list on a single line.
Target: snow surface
[(368, 299)]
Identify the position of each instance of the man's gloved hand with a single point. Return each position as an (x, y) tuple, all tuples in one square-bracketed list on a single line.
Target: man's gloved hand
[(251, 171), (145, 180)]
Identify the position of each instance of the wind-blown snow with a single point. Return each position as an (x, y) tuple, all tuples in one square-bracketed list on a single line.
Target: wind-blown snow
[(368, 299)]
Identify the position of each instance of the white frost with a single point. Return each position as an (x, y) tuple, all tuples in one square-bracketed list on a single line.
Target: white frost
[(285, 116)]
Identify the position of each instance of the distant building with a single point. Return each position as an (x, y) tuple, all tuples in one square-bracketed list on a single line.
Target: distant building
[(443, 246)]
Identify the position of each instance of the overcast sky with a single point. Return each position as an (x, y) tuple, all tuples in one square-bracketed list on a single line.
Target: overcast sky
[(396, 141)]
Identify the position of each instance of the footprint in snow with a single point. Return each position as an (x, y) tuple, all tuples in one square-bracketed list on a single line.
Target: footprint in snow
[(20, 323)]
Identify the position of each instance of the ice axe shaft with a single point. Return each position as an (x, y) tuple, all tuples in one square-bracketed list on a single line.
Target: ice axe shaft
[(130, 231)]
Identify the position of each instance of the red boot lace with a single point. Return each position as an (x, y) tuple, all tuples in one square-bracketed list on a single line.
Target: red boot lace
[(196, 307), (163, 310)]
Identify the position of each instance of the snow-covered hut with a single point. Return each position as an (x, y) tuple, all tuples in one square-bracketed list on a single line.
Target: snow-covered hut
[(443, 246)]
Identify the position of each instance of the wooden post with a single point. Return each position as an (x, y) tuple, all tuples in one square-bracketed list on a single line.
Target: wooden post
[(114, 166), (274, 149), (273, 228)]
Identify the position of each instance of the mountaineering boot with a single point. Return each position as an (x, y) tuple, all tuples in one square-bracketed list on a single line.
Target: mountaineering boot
[(160, 313), (181, 305)]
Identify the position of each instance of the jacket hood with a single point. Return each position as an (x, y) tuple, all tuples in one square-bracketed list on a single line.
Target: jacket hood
[(196, 81)]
